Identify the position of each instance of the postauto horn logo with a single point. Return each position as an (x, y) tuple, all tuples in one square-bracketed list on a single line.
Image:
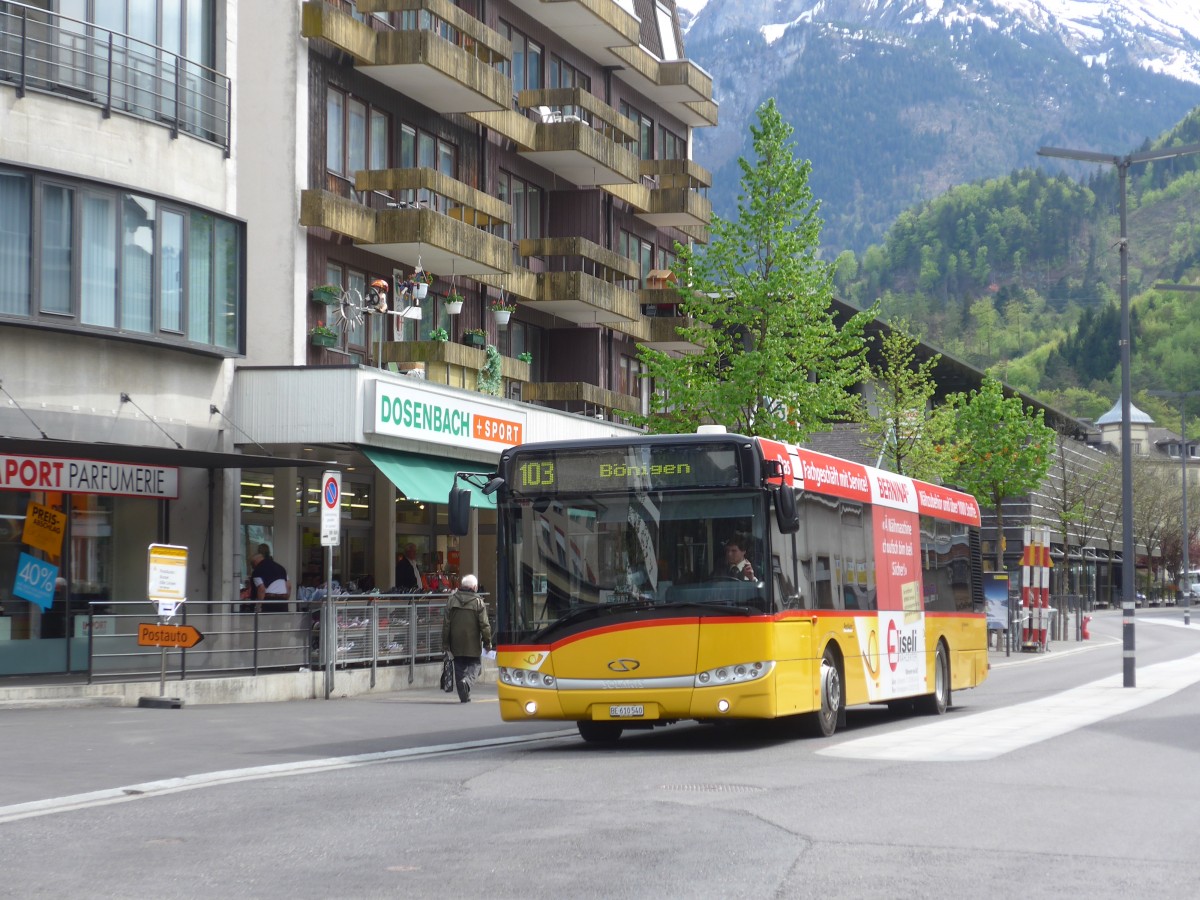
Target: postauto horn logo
[(624, 665)]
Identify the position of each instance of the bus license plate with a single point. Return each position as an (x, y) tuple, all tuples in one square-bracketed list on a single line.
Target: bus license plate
[(627, 712)]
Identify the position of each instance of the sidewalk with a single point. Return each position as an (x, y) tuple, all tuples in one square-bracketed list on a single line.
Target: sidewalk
[(62, 691)]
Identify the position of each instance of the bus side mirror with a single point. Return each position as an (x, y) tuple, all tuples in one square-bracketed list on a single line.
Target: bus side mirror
[(786, 514), (460, 510)]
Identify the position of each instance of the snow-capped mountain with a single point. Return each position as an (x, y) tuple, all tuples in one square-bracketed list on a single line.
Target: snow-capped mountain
[(896, 100)]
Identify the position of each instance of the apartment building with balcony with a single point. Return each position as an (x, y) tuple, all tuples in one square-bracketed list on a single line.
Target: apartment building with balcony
[(528, 155), (179, 179)]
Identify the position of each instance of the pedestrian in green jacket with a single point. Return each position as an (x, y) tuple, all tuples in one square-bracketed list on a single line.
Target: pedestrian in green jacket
[(465, 632)]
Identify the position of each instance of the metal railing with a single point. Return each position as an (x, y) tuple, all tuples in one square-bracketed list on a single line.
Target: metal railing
[(239, 639), (235, 642), (43, 51)]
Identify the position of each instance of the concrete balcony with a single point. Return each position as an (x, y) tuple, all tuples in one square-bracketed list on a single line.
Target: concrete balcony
[(679, 85), (448, 64), (661, 332), (580, 396), (445, 362), (595, 27), (586, 284), (448, 238), (580, 138), (676, 199)]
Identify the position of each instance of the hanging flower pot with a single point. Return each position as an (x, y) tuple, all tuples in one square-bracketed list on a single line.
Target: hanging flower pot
[(323, 340), (329, 294), (503, 311), (454, 304)]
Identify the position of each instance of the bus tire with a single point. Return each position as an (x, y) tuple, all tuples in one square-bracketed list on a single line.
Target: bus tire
[(939, 701), (599, 732), (824, 721)]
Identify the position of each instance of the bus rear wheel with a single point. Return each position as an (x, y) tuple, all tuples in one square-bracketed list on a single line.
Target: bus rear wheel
[(599, 732), (939, 701), (824, 722)]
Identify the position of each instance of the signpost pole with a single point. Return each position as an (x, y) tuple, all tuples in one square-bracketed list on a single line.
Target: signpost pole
[(162, 667), (167, 577), (329, 631), (331, 536)]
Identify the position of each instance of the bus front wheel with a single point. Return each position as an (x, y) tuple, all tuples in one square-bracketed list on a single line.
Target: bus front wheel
[(599, 732), (939, 701), (824, 721)]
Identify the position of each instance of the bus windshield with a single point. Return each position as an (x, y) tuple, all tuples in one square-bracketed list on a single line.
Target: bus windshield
[(578, 562)]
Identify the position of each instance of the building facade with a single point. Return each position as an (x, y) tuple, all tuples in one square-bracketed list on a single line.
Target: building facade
[(232, 241)]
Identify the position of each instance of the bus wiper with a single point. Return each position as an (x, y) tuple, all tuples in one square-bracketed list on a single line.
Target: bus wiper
[(591, 612)]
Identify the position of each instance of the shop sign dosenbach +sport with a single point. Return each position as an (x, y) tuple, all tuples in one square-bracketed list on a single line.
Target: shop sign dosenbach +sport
[(399, 411)]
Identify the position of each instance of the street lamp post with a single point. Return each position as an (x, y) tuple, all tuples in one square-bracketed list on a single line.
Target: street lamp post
[(1127, 549)]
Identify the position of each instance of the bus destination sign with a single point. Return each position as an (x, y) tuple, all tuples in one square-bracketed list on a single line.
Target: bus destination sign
[(644, 468)]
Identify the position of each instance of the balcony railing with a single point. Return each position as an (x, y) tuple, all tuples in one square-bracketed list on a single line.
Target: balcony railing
[(45, 52)]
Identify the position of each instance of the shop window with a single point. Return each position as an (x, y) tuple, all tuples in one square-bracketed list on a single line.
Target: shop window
[(412, 512)]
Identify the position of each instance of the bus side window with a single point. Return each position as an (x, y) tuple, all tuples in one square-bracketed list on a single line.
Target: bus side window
[(823, 533), (937, 554)]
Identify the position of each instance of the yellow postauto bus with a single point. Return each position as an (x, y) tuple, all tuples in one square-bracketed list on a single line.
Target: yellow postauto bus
[(652, 579)]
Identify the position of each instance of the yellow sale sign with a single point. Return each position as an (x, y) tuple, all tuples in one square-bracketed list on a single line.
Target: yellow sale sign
[(44, 528)]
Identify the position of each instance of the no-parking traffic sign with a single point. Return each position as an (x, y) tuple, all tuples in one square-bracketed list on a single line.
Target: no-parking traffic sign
[(331, 509)]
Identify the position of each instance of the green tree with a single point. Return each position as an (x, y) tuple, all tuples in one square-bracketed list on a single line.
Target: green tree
[(999, 448), (773, 361), (905, 431)]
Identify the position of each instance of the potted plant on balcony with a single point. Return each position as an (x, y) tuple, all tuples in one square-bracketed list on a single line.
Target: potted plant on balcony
[(439, 334), (503, 310), (454, 303), (322, 335), (525, 357), (490, 380), (475, 337), (328, 294)]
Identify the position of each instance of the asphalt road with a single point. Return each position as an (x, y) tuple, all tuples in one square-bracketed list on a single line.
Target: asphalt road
[(416, 795)]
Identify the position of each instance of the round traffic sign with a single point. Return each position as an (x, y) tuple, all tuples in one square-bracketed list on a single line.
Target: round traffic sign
[(330, 493)]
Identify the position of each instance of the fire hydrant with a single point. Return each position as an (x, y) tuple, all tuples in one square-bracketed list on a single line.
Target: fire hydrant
[(1086, 621)]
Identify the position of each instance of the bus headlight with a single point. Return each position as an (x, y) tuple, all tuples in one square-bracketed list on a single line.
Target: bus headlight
[(735, 674), (525, 678)]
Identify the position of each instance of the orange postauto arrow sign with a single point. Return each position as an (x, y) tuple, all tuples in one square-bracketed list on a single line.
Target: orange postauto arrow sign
[(184, 636)]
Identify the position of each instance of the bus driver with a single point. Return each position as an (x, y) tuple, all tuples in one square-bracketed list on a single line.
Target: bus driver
[(736, 564)]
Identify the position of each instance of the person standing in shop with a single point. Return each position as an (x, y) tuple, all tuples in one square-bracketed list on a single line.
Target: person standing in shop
[(408, 571), (466, 632), (269, 581)]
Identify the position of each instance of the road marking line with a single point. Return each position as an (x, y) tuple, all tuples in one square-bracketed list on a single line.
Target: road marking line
[(990, 734), (1057, 652), (233, 776)]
